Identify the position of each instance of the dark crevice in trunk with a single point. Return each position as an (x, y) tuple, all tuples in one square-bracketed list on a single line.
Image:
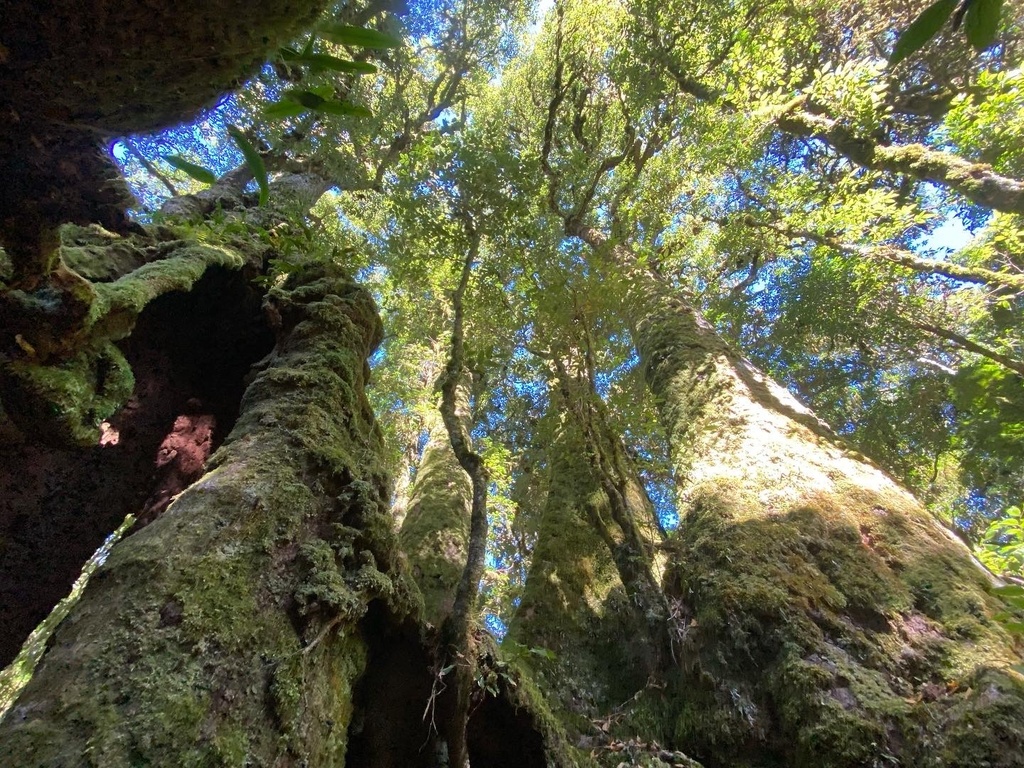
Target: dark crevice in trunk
[(388, 729), (500, 735), (190, 353), (400, 711)]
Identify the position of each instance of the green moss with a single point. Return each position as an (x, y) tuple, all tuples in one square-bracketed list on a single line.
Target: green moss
[(70, 377), (435, 532), (64, 403), (189, 647), (99, 255), (118, 304)]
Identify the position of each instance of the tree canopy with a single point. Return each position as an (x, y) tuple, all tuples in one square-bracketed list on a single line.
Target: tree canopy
[(851, 224)]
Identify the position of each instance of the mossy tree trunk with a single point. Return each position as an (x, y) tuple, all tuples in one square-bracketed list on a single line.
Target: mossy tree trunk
[(229, 631), (823, 617), (591, 597), (435, 532)]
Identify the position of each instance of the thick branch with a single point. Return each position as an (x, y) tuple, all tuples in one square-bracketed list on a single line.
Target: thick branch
[(975, 181), (959, 272)]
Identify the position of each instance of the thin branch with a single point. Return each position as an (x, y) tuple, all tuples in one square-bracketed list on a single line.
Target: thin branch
[(150, 168), (972, 346)]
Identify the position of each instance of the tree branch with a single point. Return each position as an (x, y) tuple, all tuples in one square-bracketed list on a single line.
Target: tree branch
[(975, 181), (971, 346), (150, 168), (963, 274)]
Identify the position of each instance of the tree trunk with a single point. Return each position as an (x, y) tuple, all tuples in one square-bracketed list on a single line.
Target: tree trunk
[(823, 617), (435, 532), (591, 623), (230, 631)]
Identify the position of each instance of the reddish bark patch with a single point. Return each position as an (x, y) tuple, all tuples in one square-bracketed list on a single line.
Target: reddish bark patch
[(180, 459), (58, 505)]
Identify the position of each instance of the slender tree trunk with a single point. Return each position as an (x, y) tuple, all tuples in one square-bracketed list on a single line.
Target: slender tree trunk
[(229, 630), (435, 532), (823, 617)]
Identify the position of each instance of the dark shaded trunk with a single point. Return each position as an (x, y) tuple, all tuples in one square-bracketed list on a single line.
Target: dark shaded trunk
[(230, 629)]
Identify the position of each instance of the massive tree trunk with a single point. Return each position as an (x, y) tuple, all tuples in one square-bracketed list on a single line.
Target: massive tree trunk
[(435, 532), (823, 617), (232, 628)]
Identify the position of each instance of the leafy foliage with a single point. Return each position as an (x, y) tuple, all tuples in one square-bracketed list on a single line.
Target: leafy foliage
[(1002, 549), (826, 272)]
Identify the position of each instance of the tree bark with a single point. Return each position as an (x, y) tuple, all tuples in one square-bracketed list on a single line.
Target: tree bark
[(823, 617), (975, 181), (435, 532), (229, 630), (591, 599)]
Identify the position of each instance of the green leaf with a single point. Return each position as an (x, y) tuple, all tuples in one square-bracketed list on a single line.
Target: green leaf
[(283, 109), (254, 161), (316, 102), (982, 23), (197, 172), (308, 99), (343, 108), (345, 34), (923, 29), (319, 62)]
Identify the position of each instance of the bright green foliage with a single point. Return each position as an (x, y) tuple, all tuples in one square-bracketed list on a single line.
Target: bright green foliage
[(196, 172), (986, 123), (1002, 549)]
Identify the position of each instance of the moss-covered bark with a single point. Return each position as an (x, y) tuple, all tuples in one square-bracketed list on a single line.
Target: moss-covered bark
[(975, 181), (588, 596), (77, 72), (228, 631), (435, 532), (824, 617), (62, 375)]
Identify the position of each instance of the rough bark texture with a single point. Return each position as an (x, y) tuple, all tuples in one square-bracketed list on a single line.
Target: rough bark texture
[(975, 181), (229, 630), (585, 600), (76, 73), (435, 533), (57, 505), (824, 617)]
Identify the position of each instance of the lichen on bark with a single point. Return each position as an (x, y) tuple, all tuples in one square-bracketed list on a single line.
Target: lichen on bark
[(228, 631)]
